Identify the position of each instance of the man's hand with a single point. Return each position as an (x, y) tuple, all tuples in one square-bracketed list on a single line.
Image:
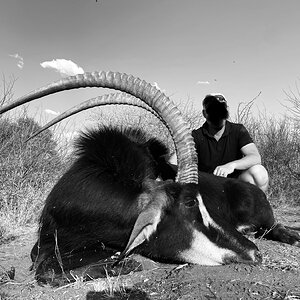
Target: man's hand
[(224, 170)]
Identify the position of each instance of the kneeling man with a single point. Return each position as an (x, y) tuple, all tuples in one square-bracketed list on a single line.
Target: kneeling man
[(225, 148)]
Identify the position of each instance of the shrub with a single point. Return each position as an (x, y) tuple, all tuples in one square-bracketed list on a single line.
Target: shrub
[(27, 170), (279, 145)]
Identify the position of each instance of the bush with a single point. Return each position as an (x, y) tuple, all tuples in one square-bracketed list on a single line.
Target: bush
[(27, 171), (279, 145), (277, 140)]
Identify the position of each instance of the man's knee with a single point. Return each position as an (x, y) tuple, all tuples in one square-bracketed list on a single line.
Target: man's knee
[(257, 175)]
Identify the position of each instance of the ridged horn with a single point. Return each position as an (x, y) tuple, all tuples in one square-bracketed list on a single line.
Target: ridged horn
[(184, 144), (107, 99)]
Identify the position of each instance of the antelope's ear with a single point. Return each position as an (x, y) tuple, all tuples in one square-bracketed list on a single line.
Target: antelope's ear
[(147, 222), (144, 227)]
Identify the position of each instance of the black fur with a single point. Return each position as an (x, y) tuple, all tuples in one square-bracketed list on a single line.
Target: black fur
[(94, 204), (93, 207)]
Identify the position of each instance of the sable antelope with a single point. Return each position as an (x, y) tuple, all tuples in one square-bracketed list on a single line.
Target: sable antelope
[(110, 198)]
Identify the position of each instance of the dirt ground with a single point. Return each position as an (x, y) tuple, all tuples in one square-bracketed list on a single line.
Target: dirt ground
[(278, 277)]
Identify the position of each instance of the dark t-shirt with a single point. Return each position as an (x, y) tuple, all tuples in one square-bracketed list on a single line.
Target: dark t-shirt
[(213, 153)]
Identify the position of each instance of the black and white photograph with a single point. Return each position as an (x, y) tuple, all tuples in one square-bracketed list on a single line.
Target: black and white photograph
[(150, 150)]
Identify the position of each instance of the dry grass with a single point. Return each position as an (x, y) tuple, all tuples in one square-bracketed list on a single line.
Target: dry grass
[(277, 139), (28, 172)]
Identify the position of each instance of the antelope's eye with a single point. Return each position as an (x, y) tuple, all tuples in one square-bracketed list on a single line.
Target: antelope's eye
[(190, 202)]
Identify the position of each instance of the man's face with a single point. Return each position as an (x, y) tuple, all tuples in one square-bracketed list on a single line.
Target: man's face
[(217, 124), (215, 113)]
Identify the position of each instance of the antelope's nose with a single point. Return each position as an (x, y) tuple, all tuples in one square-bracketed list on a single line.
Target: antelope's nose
[(252, 257)]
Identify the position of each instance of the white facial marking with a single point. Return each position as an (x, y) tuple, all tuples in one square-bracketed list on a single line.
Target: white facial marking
[(204, 252), (207, 220)]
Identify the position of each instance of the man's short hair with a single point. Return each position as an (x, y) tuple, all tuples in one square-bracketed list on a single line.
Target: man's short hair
[(212, 98)]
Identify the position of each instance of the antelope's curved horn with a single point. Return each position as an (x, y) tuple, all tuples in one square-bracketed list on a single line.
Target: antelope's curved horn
[(107, 99), (184, 144)]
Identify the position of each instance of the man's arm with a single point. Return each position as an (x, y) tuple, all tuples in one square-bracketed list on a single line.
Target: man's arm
[(251, 158)]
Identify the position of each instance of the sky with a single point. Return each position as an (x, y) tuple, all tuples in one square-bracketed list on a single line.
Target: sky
[(187, 48)]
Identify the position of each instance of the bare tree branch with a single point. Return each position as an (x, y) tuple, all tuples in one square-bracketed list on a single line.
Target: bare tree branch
[(7, 89), (293, 98), (244, 110)]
